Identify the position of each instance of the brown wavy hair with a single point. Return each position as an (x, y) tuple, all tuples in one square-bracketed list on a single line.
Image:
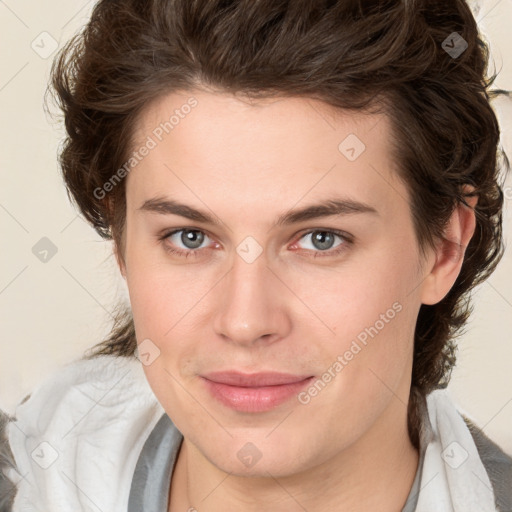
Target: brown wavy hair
[(385, 56)]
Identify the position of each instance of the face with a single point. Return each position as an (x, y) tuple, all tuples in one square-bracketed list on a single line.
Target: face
[(328, 296)]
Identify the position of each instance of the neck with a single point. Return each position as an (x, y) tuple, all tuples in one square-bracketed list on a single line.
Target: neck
[(374, 473)]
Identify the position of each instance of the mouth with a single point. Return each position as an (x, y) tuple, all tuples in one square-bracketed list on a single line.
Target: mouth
[(257, 392)]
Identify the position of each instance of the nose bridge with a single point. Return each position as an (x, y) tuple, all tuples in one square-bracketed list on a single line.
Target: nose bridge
[(248, 303)]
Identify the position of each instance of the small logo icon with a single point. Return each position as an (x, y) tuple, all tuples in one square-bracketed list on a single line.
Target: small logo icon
[(44, 45), (351, 147), (454, 45), (249, 249), (44, 250), (44, 455), (249, 455), (454, 455), (146, 352)]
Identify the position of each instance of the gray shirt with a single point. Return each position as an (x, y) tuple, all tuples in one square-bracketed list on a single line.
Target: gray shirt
[(152, 477)]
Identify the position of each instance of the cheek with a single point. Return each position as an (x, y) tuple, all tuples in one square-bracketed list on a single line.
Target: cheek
[(150, 298), (340, 303), (352, 298), (372, 314), (161, 294)]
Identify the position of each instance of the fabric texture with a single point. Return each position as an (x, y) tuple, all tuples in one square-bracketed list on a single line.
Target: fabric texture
[(153, 473), (77, 438), (453, 475), (498, 466), (7, 487), (93, 437), (152, 477)]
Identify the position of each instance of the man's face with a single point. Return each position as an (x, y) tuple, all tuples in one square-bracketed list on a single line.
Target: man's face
[(334, 298)]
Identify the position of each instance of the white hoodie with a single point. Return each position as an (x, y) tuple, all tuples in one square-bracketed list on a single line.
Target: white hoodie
[(77, 438)]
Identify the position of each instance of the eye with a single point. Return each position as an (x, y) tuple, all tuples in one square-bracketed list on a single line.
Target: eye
[(323, 241), (187, 242), (189, 239)]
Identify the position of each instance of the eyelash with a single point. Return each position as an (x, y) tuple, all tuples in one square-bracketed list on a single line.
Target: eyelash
[(347, 240)]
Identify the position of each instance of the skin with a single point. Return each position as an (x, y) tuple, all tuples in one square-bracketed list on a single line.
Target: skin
[(246, 163)]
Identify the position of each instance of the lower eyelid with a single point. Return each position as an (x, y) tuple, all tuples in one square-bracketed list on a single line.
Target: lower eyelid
[(309, 233), (168, 236), (345, 240)]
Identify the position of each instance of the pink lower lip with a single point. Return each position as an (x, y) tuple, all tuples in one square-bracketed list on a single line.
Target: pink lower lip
[(254, 399)]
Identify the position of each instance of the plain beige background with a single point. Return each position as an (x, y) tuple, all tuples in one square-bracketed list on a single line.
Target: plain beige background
[(51, 312)]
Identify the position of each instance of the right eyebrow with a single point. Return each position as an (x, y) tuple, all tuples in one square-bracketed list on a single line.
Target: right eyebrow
[(331, 207)]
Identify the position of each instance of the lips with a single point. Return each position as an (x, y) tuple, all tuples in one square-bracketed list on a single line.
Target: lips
[(257, 392), (254, 380)]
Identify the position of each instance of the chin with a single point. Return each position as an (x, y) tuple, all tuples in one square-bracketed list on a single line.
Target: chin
[(256, 456)]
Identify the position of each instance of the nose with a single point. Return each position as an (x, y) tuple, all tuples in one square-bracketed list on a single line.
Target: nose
[(250, 304)]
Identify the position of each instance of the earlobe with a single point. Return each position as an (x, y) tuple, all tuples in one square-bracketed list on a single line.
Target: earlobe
[(449, 252)]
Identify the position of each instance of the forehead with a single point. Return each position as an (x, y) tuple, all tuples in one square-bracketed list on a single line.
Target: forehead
[(262, 149), (288, 117)]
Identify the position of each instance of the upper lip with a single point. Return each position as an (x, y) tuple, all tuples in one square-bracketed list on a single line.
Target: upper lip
[(233, 378)]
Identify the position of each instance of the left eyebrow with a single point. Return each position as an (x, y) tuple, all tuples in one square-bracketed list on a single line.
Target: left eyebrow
[(327, 208)]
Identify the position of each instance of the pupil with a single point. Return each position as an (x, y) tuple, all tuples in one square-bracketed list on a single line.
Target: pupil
[(322, 239), (192, 239)]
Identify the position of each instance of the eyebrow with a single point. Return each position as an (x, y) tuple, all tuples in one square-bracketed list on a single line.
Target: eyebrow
[(330, 207)]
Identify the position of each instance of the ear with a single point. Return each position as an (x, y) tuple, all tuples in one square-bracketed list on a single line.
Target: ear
[(450, 250)]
